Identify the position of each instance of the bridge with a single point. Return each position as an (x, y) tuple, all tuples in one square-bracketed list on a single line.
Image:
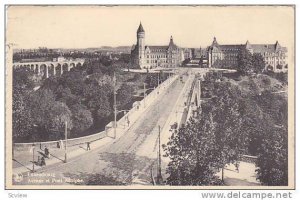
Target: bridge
[(50, 68)]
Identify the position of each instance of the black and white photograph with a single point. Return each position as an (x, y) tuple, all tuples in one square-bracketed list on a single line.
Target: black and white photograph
[(150, 97)]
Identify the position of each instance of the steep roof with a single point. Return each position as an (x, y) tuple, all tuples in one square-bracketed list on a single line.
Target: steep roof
[(140, 29), (231, 47), (270, 48), (172, 45), (157, 48)]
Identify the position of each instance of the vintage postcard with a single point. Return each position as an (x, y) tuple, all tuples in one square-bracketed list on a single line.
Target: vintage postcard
[(150, 97)]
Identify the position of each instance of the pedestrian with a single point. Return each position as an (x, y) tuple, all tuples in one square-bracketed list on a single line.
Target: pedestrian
[(31, 149), (47, 153), (43, 162), (61, 144), (237, 166), (128, 122), (38, 161), (88, 147), (58, 145)]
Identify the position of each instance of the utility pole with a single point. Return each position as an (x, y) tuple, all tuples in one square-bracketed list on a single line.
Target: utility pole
[(66, 139), (144, 95), (33, 149), (159, 176), (199, 96), (9, 58), (115, 107)]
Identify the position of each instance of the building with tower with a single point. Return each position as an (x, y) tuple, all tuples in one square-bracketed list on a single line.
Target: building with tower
[(150, 57), (226, 56)]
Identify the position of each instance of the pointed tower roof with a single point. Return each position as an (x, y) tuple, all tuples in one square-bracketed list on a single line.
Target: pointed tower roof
[(215, 43), (248, 45), (277, 45), (171, 44), (140, 29)]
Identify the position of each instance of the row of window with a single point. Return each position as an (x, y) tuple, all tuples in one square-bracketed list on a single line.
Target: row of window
[(275, 57), (161, 61), (274, 54), (274, 62), (161, 56)]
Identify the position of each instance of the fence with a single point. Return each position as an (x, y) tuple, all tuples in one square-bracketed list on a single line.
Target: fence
[(71, 142)]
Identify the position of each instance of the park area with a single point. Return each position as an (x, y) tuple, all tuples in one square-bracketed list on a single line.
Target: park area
[(82, 98)]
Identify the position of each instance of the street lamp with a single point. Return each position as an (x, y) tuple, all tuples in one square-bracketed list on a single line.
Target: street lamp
[(33, 149), (115, 106), (66, 140), (159, 176), (145, 93)]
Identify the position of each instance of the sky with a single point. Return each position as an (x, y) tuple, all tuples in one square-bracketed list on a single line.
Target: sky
[(190, 26)]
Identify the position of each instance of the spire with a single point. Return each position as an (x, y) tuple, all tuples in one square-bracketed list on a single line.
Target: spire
[(215, 43), (277, 45), (171, 43), (248, 45), (140, 29)]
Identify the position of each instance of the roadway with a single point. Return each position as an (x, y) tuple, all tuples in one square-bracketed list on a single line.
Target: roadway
[(127, 160)]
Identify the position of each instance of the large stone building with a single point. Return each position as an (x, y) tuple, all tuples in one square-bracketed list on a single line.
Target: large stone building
[(226, 56), (149, 57)]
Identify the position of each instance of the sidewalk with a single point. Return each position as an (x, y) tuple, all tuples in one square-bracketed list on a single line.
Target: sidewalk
[(176, 116), (23, 159)]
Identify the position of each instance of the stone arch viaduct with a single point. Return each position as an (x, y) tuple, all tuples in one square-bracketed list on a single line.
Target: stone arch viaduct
[(50, 68)]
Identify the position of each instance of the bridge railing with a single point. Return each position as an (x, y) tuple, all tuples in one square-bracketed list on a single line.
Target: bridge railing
[(53, 144)]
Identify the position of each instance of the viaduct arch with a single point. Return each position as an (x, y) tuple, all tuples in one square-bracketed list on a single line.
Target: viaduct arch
[(50, 68)]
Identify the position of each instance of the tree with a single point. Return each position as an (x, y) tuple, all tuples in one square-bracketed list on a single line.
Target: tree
[(272, 159), (48, 115), (40, 102), (282, 77), (58, 114), (97, 100), (277, 110), (65, 95), (75, 81), (192, 151), (251, 120), (225, 110), (22, 122), (82, 119), (23, 79), (245, 65), (258, 63), (152, 80), (125, 95)]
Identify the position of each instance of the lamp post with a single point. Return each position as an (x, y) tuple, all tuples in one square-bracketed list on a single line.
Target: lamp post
[(66, 140), (115, 107), (159, 176), (144, 95), (33, 149)]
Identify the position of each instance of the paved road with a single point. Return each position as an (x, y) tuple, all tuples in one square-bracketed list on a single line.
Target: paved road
[(128, 160)]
